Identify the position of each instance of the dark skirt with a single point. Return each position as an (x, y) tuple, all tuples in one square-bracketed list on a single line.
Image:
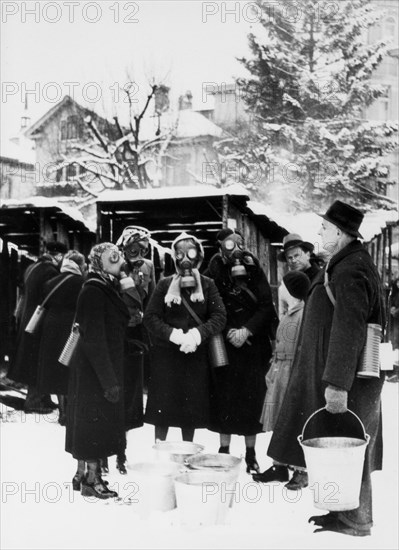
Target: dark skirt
[(133, 372), (179, 388)]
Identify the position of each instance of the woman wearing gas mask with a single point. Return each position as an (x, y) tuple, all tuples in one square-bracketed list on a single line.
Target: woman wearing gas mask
[(95, 425), (136, 290), (179, 388), (251, 324)]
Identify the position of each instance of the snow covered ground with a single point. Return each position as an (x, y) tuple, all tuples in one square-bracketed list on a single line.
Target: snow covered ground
[(39, 509)]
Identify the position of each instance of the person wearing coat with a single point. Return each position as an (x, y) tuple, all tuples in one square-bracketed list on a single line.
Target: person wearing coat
[(324, 371), (251, 322), (298, 255), (24, 364), (57, 323), (297, 284), (393, 311), (138, 287), (179, 390), (95, 426)]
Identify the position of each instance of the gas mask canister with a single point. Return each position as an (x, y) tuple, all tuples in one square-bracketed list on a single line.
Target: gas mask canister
[(186, 259)]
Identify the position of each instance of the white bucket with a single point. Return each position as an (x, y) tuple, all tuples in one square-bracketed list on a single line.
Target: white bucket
[(155, 486), (335, 467), (176, 451), (203, 497)]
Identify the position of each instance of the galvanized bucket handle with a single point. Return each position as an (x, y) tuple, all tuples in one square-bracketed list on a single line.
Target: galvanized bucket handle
[(300, 437)]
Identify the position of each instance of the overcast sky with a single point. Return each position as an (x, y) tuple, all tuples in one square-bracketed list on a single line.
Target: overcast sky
[(94, 44)]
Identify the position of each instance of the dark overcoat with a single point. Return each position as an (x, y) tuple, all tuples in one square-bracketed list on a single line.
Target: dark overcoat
[(95, 426), (179, 391), (60, 313), (240, 388), (329, 352), (24, 364)]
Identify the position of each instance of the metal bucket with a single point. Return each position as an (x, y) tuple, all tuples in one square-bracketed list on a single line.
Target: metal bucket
[(335, 467), (219, 462), (155, 486), (176, 451), (203, 497)]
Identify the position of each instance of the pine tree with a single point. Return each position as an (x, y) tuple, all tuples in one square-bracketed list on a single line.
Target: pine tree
[(309, 83)]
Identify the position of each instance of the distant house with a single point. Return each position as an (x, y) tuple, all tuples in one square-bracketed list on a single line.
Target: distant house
[(59, 132), (17, 173)]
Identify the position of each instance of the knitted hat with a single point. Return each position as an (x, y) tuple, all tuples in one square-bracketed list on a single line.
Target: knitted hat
[(297, 283), (224, 233)]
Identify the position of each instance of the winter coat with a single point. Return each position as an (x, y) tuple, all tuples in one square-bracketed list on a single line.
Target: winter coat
[(136, 344), (24, 364), (240, 387), (393, 311), (60, 312), (179, 391), (329, 352), (280, 368), (95, 426)]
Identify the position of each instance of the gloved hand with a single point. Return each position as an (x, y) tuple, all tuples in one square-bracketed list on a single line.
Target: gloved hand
[(176, 336), (336, 400), (189, 344), (113, 394), (238, 336)]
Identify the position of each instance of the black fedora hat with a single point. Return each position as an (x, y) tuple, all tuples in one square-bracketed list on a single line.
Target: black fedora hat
[(345, 216), (291, 241)]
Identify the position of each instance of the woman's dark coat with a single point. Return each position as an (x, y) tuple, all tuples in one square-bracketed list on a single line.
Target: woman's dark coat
[(329, 352), (179, 391), (240, 387), (24, 365), (95, 426), (52, 376)]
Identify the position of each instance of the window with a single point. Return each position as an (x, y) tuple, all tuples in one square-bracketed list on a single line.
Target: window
[(71, 128)]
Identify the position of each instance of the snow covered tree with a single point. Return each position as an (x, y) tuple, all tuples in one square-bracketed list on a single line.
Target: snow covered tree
[(306, 141), (120, 158)]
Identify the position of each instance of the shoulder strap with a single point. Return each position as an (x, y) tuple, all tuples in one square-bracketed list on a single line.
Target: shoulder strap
[(95, 281), (54, 289), (191, 311), (33, 267), (328, 288)]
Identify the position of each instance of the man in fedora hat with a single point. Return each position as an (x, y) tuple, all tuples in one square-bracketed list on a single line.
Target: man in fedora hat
[(297, 254), (343, 299)]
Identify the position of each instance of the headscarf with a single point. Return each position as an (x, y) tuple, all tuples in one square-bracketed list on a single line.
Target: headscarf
[(173, 295), (131, 234), (96, 264)]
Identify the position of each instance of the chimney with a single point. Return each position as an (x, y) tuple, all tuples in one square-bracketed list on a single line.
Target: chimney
[(186, 101), (161, 97)]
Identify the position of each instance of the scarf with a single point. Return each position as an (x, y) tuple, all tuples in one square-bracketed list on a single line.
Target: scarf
[(173, 295), (96, 264)]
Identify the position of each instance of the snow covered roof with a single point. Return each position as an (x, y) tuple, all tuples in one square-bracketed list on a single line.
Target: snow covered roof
[(46, 202), (307, 224), (172, 192), (185, 124), (22, 153)]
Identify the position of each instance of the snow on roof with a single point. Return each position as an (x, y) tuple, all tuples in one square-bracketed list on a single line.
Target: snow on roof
[(173, 192), (307, 224), (22, 153), (46, 202), (190, 124)]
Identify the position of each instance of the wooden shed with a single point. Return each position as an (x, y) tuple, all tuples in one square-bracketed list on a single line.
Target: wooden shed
[(200, 210)]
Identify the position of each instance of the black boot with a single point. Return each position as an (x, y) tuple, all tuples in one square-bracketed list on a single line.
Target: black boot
[(275, 473), (97, 488), (103, 466), (252, 463), (120, 464), (224, 449)]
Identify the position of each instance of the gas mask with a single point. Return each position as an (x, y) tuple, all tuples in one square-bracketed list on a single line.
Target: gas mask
[(187, 258), (234, 254)]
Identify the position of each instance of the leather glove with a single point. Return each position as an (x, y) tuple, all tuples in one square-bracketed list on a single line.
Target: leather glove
[(176, 336), (189, 345), (336, 400), (112, 394)]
